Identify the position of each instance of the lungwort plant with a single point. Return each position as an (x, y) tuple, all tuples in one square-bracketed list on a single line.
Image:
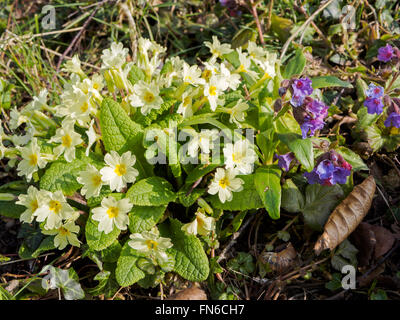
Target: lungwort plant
[(139, 164)]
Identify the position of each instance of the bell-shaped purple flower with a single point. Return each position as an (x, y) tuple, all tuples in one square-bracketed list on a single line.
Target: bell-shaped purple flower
[(393, 120), (303, 86), (374, 91), (331, 169), (284, 160), (374, 105), (385, 53)]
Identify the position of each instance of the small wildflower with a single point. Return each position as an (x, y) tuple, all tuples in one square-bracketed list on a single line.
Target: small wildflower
[(224, 183), (112, 212), (119, 170), (385, 54)]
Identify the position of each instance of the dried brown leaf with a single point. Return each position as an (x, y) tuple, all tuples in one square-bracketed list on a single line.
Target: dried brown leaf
[(347, 216), (280, 261), (384, 240), (192, 293), (364, 240)]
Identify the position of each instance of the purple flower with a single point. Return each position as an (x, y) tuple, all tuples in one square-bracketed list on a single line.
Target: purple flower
[(317, 108), (374, 105), (284, 160), (297, 99), (393, 120), (303, 86), (311, 125), (330, 169), (385, 53), (374, 91)]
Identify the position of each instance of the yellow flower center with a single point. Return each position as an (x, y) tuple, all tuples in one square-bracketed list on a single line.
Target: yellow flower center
[(34, 205), (64, 232), (95, 86), (66, 141), (151, 244), (236, 157), (55, 206), (206, 75), (33, 159), (200, 221), (84, 107), (112, 212), (96, 179), (120, 169), (213, 90), (186, 101), (223, 183), (148, 97), (241, 69)]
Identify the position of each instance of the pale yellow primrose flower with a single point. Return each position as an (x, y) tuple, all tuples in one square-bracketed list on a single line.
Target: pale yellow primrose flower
[(68, 138), (240, 156), (218, 49), (146, 96), (114, 57), (73, 66), (224, 183), (185, 108), (213, 90), (112, 212), (92, 137), (119, 171), (53, 209), (66, 234), (238, 112), (91, 181), (151, 243), (203, 140), (32, 160), (201, 225), (31, 201)]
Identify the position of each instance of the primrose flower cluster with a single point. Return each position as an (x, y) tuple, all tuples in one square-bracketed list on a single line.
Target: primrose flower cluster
[(91, 171), (70, 130)]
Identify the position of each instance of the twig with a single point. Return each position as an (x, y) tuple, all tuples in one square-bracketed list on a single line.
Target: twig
[(271, 6), (255, 15), (387, 203), (76, 38), (235, 236), (305, 24)]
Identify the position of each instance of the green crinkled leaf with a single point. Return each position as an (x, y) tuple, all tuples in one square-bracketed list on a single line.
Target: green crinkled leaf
[(127, 273), (153, 191), (246, 199), (144, 218), (121, 134), (136, 74), (200, 171), (267, 181), (365, 119), (98, 240), (62, 175), (191, 261), (111, 253), (154, 114), (302, 148), (328, 82), (295, 65), (292, 199), (353, 158), (189, 199), (319, 203), (375, 138)]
